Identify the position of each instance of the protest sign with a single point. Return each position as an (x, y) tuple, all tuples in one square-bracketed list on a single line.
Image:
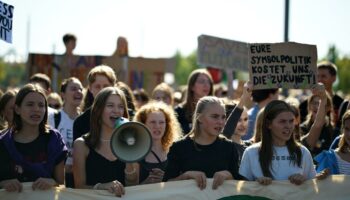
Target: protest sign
[(6, 21), (222, 53), (282, 65)]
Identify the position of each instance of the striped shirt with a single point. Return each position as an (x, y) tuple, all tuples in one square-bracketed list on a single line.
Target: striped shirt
[(343, 165)]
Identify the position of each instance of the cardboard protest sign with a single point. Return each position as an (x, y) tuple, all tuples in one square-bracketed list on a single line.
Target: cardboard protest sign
[(143, 73), (222, 53), (6, 19), (282, 65), (59, 67)]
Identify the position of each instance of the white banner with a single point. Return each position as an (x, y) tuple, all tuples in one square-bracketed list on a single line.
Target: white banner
[(334, 187)]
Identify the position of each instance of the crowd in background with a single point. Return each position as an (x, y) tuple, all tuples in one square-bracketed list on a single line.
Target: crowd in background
[(52, 139)]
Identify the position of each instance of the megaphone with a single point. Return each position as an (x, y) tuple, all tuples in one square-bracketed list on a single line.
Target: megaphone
[(131, 141)]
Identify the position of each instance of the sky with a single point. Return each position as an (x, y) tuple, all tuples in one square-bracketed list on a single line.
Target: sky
[(160, 28)]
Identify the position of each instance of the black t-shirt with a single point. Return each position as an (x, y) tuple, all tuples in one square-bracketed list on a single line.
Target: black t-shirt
[(186, 124), (33, 152), (186, 155), (81, 124)]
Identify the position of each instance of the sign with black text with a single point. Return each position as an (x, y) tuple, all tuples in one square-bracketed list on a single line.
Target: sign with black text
[(6, 19), (282, 65), (222, 53)]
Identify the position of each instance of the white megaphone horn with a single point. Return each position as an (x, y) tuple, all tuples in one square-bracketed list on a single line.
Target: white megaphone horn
[(131, 141)]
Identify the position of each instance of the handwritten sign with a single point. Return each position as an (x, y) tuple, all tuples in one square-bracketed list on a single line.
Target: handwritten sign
[(6, 16), (282, 65), (222, 53)]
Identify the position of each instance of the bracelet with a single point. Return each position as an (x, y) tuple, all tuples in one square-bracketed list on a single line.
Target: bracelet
[(96, 186)]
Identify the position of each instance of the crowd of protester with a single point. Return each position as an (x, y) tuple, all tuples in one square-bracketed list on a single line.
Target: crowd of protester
[(53, 139)]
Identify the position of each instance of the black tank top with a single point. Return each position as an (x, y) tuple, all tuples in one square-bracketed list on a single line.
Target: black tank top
[(101, 170), (146, 167)]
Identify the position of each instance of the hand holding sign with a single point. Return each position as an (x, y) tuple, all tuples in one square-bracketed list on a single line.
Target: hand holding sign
[(320, 91)]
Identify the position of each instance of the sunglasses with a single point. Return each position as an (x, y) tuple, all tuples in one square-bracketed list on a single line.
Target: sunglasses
[(55, 106)]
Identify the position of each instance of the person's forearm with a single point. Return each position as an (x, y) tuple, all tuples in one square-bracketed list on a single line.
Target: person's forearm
[(232, 121)]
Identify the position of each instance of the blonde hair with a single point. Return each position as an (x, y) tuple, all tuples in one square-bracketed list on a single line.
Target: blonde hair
[(258, 126), (166, 89), (201, 106)]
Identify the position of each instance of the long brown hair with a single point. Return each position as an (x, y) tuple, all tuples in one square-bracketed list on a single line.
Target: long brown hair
[(343, 145), (190, 103), (271, 111), (93, 138), (22, 93)]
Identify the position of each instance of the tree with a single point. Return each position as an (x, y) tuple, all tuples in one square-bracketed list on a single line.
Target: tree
[(332, 54), (11, 74), (184, 66), (343, 65)]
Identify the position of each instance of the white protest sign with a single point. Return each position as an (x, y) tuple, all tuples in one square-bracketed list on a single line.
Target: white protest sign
[(282, 65), (6, 19), (222, 53)]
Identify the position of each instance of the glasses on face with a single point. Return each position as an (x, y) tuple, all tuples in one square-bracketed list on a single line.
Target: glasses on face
[(203, 81), (315, 103), (55, 106)]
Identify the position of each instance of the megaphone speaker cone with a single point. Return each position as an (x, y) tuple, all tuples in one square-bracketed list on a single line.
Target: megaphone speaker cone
[(131, 141)]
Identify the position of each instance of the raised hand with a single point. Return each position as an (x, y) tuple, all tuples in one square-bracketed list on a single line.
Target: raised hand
[(246, 95), (320, 91)]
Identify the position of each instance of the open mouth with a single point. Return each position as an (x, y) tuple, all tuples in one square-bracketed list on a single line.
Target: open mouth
[(218, 129), (156, 132), (35, 117), (77, 98), (287, 133)]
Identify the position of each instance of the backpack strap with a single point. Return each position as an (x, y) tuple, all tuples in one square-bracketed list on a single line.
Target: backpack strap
[(57, 118)]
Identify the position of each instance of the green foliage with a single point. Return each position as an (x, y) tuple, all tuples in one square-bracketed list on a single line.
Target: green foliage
[(332, 54), (343, 65), (184, 66), (11, 74)]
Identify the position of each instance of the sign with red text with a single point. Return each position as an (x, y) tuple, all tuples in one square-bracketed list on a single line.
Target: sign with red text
[(282, 65)]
